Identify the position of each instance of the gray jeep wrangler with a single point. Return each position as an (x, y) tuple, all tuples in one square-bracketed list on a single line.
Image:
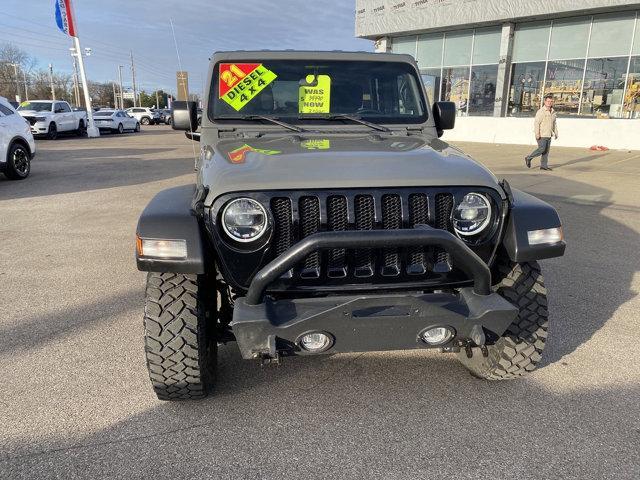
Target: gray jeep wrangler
[(327, 217)]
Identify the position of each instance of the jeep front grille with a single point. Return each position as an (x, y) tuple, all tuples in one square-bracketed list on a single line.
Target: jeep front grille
[(297, 217)]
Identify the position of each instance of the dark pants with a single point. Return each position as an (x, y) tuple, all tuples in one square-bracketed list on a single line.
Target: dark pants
[(544, 144)]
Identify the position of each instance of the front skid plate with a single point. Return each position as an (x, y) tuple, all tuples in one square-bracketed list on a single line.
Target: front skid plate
[(366, 322)]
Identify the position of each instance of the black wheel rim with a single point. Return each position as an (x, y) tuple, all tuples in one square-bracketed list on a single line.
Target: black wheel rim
[(21, 161)]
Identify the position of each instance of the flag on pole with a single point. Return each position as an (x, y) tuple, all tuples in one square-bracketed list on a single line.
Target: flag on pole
[(64, 17)]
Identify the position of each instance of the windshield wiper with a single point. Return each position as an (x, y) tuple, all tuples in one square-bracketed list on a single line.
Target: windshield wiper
[(273, 120), (344, 116)]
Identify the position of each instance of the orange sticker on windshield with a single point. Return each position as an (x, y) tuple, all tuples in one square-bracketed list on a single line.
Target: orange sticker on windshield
[(239, 83)]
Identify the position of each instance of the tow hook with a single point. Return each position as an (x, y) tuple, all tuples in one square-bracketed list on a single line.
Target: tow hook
[(468, 350)]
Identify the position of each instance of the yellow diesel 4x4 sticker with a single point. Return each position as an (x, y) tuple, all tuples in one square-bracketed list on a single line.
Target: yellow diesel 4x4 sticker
[(314, 94), (240, 83)]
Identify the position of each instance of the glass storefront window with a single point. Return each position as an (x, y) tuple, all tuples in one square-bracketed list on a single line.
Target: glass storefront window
[(483, 90), (530, 42), (525, 91), (603, 91), (486, 45), (631, 107), (604, 42), (569, 38), (430, 50), (431, 80), (636, 38), (404, 45), (564, 82), (457, 48), (455, 87)]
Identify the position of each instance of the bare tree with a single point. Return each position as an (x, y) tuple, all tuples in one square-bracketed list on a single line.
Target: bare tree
[(14, 60)]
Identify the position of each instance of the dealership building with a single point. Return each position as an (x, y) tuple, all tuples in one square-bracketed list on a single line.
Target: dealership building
[(496, 59)]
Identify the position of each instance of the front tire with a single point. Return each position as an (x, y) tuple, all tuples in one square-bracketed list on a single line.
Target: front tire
[(18, 163), (145, 120), (137, 129), (179, 329), (52, 134), (120, 129), (519, 350)]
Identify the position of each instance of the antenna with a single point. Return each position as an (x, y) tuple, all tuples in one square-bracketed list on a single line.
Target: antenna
[(175, 42)]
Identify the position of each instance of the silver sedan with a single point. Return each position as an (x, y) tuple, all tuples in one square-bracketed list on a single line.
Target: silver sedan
[(116, 121)]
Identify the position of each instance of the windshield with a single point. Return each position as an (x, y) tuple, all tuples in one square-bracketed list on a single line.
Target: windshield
[(36, 106), (300, 91)]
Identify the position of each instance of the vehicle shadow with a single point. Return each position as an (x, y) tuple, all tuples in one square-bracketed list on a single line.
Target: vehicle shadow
[(77, 170), (595, 276), (357, 417)]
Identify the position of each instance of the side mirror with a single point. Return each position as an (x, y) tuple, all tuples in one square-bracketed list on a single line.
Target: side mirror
[(185, 116), (444, 116)]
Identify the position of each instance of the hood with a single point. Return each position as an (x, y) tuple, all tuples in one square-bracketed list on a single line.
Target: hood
[(335, 162)]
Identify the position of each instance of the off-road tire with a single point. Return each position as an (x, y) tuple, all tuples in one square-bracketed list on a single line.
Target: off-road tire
[(519, 350), (179, 330)]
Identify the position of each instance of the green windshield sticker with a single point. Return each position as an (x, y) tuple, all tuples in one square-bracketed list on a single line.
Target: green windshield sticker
[(240, 83), (314, 94), (316, 144)]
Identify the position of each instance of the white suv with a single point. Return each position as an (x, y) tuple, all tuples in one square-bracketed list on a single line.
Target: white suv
[(146, 116), (17, 146)]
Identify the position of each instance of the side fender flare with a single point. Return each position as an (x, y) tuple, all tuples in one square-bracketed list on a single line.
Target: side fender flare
[(169, 216), (528, 213)]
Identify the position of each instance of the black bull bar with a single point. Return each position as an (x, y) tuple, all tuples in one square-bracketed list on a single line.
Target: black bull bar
[(263, 326)]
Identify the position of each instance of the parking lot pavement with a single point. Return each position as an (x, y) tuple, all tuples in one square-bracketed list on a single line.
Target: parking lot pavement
[(76, 401)]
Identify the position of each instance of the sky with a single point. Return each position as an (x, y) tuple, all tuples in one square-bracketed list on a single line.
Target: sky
[(115, 27)]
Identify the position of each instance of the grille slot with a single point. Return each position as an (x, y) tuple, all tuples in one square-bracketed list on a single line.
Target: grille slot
[(365, 217), (444, 206), (418, 215), (391, 220), (337, 221), (310, 224)]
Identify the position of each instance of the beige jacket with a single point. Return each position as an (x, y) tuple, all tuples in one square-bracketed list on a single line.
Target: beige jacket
[(545, 126)]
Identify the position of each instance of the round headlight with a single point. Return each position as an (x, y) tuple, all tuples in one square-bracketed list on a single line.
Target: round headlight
[(472, 215), (244, 220)]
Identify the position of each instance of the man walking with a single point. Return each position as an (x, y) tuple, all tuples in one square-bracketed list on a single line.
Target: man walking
[(544, 127)]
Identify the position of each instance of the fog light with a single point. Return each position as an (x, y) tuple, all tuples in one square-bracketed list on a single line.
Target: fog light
[(315, 342), (437, 335)]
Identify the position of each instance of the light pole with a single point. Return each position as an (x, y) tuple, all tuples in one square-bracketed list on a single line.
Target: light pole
[(120, 67), (15, 70), (92, 130)]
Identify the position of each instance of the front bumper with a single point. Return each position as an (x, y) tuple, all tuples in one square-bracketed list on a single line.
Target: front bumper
[(40, 128), (265, 328)]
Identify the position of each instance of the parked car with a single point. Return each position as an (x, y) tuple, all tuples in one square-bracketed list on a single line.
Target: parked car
[(331, 218), (165, 116), (49, 118), (146, 116), (17, 147), (116, 121)]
